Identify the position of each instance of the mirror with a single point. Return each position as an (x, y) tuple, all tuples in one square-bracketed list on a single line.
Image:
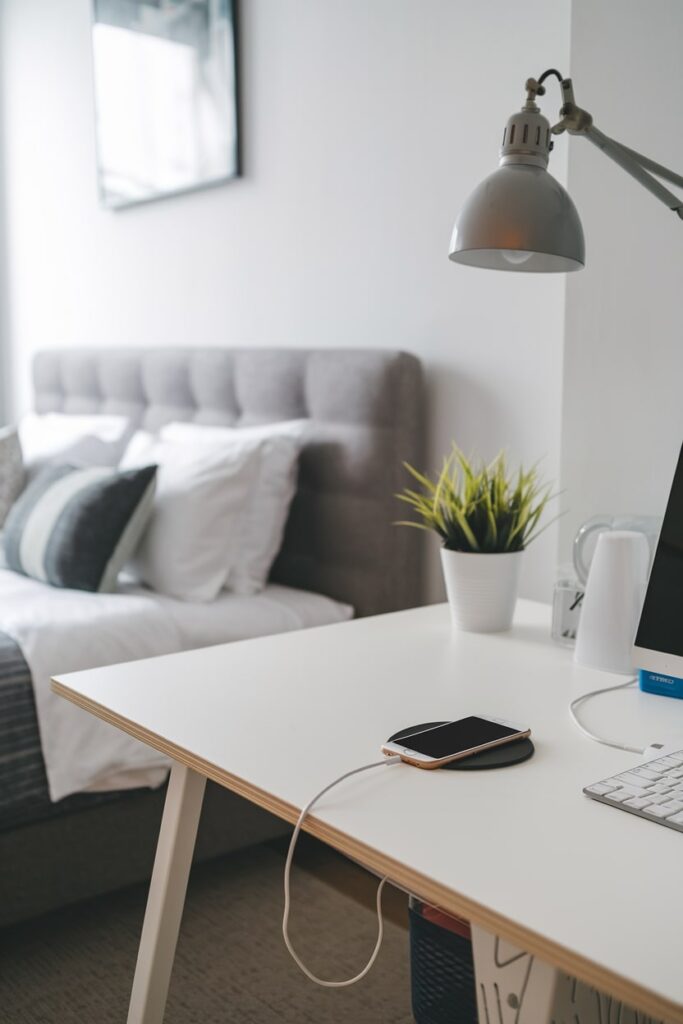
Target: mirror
[(165, 97)]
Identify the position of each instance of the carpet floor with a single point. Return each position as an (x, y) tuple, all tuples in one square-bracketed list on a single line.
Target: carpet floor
[(231, 966)]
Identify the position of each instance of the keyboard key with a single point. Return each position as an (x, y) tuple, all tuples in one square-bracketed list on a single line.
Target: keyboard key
[(665, 762), (638, 802), (674, 806), (630, 779), (676, 818), (647, 773), (659, 811), (626, 793), (600, 788)]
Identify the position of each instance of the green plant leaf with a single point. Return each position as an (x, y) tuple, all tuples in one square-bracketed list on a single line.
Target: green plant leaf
[(474, 506)]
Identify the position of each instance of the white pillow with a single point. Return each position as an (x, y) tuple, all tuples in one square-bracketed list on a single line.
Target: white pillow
[(262, 529), (194, 534), (82, 440)]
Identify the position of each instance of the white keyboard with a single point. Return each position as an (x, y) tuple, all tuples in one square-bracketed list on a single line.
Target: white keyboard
[(653, 790)]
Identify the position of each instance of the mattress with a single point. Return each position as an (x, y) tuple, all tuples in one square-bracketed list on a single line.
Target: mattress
[(44, 751)]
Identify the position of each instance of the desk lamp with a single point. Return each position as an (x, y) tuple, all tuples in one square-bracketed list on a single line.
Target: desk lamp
[(520, 217)]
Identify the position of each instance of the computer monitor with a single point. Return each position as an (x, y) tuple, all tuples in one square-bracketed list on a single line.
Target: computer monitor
[(659, 639)]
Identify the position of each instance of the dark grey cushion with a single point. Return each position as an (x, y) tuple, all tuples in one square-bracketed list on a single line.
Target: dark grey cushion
[(75, 527), (11, 470)]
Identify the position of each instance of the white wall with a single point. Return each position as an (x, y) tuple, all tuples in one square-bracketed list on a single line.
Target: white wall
[(365, 124), (623, 381)]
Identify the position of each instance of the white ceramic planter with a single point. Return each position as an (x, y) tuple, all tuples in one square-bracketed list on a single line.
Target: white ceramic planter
[(482, 589)]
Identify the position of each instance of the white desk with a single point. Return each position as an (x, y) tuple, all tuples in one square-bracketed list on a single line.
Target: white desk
[(520, 852)]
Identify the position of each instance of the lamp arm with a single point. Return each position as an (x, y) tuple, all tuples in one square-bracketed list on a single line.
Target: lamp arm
[(579, 122), (654, 167), (638, 167)]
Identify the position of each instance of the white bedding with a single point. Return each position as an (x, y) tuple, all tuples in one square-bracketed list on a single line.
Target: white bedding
[(63, 631)]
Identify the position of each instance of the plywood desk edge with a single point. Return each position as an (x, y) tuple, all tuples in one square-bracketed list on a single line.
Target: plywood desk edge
[(399, 874)]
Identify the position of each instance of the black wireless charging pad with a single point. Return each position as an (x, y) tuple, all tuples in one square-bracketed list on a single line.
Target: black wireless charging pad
[(496, 757)]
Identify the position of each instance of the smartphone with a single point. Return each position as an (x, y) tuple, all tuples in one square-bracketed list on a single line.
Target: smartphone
[(432, 748)]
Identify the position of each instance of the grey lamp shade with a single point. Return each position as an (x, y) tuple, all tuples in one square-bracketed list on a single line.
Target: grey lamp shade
[(519, 218)]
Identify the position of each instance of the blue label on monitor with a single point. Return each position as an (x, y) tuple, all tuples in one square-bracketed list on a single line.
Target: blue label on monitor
[(657, 682)]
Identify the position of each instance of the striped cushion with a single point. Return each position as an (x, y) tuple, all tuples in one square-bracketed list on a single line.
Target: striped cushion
[(76, 527), (11, 470)]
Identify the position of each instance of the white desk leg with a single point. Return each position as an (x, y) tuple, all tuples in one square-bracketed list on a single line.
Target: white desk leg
[(166, 895)]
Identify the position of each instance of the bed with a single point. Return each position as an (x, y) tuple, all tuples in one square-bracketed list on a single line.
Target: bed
[(340, 555)]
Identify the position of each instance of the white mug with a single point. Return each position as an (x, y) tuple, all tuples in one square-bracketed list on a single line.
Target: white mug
[(611, 606)]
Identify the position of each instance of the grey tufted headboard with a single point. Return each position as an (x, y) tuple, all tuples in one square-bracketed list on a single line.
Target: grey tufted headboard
[(364, 408)]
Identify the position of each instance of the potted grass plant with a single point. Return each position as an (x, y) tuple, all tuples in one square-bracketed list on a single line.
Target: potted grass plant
[(485, 517)]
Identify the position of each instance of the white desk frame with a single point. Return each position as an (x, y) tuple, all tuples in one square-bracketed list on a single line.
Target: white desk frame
[(420, 671)]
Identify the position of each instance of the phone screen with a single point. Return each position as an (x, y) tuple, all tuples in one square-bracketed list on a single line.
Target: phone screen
[(453, 737)]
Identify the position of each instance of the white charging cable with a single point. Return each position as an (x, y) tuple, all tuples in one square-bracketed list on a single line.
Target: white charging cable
[(591, 735), (288, 866)]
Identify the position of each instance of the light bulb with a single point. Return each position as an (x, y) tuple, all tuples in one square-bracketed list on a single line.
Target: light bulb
[(516, 255)]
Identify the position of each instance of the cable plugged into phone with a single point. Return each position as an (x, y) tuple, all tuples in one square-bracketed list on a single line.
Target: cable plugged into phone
[(431, 747), (394, 759)]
